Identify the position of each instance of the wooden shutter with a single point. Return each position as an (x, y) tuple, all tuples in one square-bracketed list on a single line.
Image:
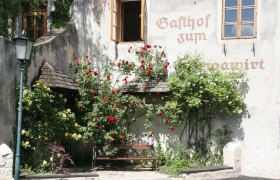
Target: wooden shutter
[(143, 19), (115, 20)]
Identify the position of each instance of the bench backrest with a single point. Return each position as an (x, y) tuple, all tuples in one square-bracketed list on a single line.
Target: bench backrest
[(135, 146)]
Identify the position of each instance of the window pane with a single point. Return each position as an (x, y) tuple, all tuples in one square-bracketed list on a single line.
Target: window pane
[(230, 3), (247, 29), (231, 16), (30, 21), (248, 2), (40, 21), (247, 15), (30, 34), (230, 30)]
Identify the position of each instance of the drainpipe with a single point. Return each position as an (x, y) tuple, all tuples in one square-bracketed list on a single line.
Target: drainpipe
[(49, 9)]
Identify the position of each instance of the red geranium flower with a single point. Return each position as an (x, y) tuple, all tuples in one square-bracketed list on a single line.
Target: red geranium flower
[(160, 113), (128, 94), (119, 64), (142, 61), (113, 91), (166, 120), (111, 141), (114, 133), (142, 66), (74, 56), (105, 100), (89, 63), (86, 56), (172, 129), (77, 62), (141, 53), (108, 77), (94, 92), (87, 72), (95, 73)]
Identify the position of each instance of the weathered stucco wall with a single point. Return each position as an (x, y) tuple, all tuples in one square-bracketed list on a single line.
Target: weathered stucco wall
[(259, 129), (8, 74), (56, 48)]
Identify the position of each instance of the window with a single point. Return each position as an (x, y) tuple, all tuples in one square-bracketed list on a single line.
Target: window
[(34, 24), (239, 19), (127, 20)]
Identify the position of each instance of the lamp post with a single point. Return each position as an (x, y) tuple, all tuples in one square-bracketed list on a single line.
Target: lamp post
[(23, 51)]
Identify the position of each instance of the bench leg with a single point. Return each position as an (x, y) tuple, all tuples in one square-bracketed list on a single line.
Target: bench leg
[(93, 162)]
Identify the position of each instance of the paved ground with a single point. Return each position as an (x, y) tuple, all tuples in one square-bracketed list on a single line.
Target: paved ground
[(133, 175)]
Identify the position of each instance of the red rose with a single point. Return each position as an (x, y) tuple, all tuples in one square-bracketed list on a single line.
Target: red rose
[(108, 78), (113, 91), (144, 48), (87, 72), (142, 102), (77, 63), (148, 46), (141, 53), (86, 56), (160, 113), (95, 73), (166, 120), (114, 133), (172, 129), (89, 63), (94, 92), (74, 56), (111, 141), (151, 133), (122, 138), (95, 126), (142, 61), (142, 66), (105, 100)]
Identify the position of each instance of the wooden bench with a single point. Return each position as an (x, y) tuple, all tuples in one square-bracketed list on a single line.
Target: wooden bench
[(128, 152)]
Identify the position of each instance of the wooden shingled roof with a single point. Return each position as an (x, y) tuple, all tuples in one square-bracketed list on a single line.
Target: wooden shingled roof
[(55, 78), (136, 86)]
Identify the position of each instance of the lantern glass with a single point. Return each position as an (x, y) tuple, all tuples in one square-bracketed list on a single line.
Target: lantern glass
[(23, 48)]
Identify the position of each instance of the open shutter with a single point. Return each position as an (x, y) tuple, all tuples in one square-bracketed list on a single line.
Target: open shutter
[(115, 19), (143, 19)]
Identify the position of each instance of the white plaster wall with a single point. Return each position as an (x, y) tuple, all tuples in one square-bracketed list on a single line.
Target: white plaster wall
[(259, 129)]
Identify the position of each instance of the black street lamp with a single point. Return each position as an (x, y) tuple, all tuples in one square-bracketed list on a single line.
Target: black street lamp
[(23, 51)]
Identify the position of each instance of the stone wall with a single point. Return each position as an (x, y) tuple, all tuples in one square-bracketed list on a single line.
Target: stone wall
[(8, 74)]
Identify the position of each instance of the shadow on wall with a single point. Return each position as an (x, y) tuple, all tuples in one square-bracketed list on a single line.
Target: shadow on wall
[(56, 48), (88, 15), (8, 100)]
